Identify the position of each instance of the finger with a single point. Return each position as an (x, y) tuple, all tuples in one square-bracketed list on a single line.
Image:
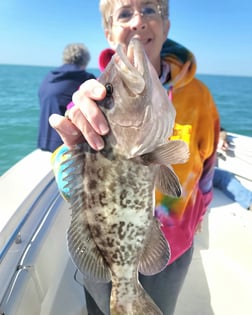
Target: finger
[(68, 132), (72, 135), (93, 89), (90, 135), (84, 99)]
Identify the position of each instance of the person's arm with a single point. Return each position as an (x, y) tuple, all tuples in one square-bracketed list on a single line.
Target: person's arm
[(206, 180)]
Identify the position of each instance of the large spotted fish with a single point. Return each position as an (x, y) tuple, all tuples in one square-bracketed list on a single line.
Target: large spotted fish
[(113, 234)]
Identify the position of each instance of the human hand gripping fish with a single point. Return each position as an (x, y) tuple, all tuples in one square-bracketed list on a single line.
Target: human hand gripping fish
[(85, 121), (113, 233)]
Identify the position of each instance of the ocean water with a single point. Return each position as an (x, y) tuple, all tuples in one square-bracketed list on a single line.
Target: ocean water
[(20, 110)]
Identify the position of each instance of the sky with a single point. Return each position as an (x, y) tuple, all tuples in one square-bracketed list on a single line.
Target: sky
[(35, 32)]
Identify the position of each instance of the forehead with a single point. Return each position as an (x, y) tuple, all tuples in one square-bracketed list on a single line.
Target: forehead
[(120, 3)]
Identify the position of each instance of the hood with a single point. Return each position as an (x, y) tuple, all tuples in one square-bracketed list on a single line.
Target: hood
[(66, 72), (181, 61)]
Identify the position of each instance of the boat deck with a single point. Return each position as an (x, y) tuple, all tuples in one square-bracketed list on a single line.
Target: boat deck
[(35, 264), (219, 281)]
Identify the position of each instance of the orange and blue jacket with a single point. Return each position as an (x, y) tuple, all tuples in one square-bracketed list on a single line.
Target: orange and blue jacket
[(197, 123)]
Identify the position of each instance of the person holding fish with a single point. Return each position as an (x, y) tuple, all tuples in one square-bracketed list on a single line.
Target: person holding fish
[(196, 123)]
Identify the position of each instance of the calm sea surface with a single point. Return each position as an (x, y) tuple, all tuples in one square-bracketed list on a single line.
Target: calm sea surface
[(20, 110)]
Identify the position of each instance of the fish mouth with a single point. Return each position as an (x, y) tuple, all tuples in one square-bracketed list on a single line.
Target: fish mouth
[(132, 68), (136, 54), (132, 65)]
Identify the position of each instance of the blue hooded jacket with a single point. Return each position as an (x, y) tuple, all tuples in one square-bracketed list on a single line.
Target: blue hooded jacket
[(55, 93)]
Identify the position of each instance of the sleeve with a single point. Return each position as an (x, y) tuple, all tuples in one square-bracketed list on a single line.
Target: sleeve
[(58, 157), (206, 180)]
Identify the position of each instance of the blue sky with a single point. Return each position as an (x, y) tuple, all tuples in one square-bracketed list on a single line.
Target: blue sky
[(35, 32)]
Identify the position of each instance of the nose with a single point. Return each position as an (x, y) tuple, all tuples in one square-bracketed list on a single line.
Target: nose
[(138, 22)]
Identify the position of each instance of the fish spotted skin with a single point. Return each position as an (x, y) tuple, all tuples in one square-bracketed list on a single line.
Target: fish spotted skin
[(122, 226), (113, 233)]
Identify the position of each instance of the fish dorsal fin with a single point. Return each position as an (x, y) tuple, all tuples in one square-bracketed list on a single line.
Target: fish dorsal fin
[(156, 252), (172, 152), (167, 181), (82, 247)]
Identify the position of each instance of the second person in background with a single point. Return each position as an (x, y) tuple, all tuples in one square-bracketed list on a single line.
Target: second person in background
[(56, 91)]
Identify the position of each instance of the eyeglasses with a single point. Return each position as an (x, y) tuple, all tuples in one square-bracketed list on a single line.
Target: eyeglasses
[(125, 14)]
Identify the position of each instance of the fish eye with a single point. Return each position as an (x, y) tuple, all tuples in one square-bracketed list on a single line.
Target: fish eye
[(109, 89)]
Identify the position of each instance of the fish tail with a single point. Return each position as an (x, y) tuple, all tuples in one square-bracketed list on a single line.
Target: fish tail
[(144, 305), (138, 304)]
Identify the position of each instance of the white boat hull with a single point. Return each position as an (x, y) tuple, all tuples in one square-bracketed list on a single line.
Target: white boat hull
[(37, 276)]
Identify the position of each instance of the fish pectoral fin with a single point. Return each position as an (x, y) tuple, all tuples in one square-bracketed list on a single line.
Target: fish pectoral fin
[(156, 252), (167, 182), (84, 252), (172, 152)]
